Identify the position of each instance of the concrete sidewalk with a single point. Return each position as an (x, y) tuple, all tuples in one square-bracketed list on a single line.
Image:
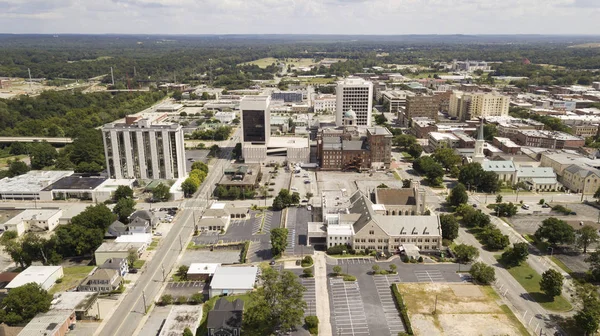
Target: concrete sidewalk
[(322, 296)]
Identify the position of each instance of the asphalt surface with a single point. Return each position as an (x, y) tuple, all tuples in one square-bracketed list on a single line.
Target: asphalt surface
[(130, 312)]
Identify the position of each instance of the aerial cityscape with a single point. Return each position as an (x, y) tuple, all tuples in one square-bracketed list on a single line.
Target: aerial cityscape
[(157, 179)]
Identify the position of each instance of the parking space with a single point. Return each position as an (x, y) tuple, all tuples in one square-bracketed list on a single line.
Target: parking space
[(303, 183), (352, 261), (310, 296), (383, 285), (429, 276), (225, 257), (348, 313), (260, 250), (185, 288)]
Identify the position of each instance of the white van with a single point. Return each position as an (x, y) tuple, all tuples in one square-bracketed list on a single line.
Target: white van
[(525, 206)]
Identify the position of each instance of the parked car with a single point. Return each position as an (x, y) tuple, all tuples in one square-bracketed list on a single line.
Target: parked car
[(307, 181), (525, 206), (133, 270), (309, 208)]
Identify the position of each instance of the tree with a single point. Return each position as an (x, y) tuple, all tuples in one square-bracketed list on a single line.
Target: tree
[(94, 216), (214, 150), (493, 239), (489, 132), (380, 119), (166, 300), (18, 148), (458, 195), (587, 319), (200, 166), (404, 141), (498, 198), (42, 155), (587, 236), (470, 174), (177, 95), (187, 331), (17, 167), (132, 257), (465, 253), (446, 157), (308, 272), (123, 192), (160, 193), (515, 255), (278, 241), (555, 231), (24, 302), (276, 305), (295, 198), (189, 186), (415, 150), (430, 168), (506, 209), (182, 272), (393, 268), (449, 226), (551, 283), (375, 268), (488, 182), (124, 208), (483, 273)]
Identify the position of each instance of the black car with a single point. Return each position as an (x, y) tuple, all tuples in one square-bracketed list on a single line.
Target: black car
[(133, 270)]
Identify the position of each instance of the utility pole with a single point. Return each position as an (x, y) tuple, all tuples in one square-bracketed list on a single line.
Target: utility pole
[(435, 307), (180, 244), (163, 272)]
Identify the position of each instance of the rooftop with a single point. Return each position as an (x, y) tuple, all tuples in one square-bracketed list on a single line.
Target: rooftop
[(379, 131), (391, 196), (437, 136), (48, 323), (181, 317), (80, 301), (409, 225), (536, 172), (37, 274), (32, 182), (226, 315), (118, 247), (201, 268), (234, 277), (34, 214), (550, 134), (499, 166), (76, 182), (506, 142), (340, 230), (138, 238), (288, 142)]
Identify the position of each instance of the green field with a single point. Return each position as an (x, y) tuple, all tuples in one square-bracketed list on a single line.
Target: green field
[(263, 62), (530, 280), (72, 278), (316, 80), (4, 161)]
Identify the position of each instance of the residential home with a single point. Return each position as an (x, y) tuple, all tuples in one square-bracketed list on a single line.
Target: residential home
[(226, 318), (118, 264), (146, 215), (116, 229), (581, 179), (101, 280), (139, 225)]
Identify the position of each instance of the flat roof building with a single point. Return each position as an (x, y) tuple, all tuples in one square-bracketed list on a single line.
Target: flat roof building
[(28, 186), (233, 280), (45, 276), (36, 220), (354, 94)]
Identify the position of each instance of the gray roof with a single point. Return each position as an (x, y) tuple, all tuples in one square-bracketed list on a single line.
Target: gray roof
[(352, 144), (226, 315), (361, 205), (499, 166), (144, 214), (582, 171), (234, 278), (140, 222), (215, 213), (536, 172), (409, 225)]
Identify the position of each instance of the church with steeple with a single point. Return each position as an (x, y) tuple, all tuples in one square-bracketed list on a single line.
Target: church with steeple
[(478, 155)]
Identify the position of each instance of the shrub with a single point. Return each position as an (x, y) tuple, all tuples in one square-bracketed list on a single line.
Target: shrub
[(542, 201), (181, 300), (166, 300), (308, 272), (349, 278), (196, 298), (338, 249), (307, 261), (312, 324), (402, 309), (244, 252), (420, 259), (337, 269)]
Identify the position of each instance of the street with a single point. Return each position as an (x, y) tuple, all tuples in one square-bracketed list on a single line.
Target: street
[(127, 317)]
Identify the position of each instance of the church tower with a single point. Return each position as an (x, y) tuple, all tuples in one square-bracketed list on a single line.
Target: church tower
[(478, 156)]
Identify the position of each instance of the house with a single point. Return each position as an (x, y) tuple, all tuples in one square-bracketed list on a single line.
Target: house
[(51, 323), (116, 229), (145, 215), (226, 318), (203, 272), (101, 280), (118, 264), (112, 249), (139, 225), (233, 280), (45, 276)]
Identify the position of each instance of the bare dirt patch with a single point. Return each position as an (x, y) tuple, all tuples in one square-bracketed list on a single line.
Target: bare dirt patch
[(476, 309)]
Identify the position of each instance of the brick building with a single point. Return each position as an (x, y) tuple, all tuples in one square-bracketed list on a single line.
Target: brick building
[(419, 106), (548, 139)]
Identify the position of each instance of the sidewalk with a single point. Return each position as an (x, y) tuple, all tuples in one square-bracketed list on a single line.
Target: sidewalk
[(322, 296)]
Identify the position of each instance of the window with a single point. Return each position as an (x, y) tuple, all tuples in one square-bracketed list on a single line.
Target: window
[(372, 232)]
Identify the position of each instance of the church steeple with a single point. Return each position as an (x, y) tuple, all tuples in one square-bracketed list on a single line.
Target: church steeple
[(478, 155), (480, 134)]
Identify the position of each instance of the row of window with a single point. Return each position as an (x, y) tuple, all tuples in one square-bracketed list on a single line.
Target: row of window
[(397, 240), (394, 247)]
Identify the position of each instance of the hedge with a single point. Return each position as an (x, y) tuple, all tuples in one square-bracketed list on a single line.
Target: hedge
[(402, 309), (312, 324), (339, 249), (244, 252)]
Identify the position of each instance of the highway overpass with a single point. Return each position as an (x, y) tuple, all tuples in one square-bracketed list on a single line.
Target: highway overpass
[(36, 139)]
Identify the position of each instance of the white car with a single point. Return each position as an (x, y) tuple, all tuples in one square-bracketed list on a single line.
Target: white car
[(309, 208), (525, 206)]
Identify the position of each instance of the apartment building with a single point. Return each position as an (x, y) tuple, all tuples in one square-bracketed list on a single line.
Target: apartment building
[(470, 105), (142, 148), (395, 99), (419, 106), (548, 139), (354, 94)]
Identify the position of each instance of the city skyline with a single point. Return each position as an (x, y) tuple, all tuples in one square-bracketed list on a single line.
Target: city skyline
[(295, 17)]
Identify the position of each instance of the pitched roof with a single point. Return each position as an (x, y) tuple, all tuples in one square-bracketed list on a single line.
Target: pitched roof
[(102, 274), (225, 305), (144, 214), (409, 225), (226, 315), (582, 171), (499, 166), (536, 172), (139, 222), (360, 204), (394, 196)]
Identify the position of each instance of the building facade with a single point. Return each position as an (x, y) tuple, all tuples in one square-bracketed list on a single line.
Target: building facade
[(142, 149), (325, 103), (419, 106), (548, 139), (578, 178), (354, 94), (470, 105), (255, 116)]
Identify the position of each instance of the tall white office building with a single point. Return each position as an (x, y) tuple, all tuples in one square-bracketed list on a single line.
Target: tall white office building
[(142, 149), (256, 119), (356, 94)]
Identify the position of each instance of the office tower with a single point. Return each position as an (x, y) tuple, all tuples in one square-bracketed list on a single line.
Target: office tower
[(256, 117), (354, 94)]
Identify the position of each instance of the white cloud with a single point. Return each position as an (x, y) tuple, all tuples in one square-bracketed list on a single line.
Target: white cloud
[(300, 16)]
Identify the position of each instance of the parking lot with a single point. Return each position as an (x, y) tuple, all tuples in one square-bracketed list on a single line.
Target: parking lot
[(348, 312), (429, 276), (309, 296), (297, 225), (352, 261), (207, 256), (185, 288), (384, 292), (303, 183)]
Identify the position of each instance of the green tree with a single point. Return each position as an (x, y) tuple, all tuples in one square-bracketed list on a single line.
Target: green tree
[(132, 257), (489, 132), (470, 174), (160, 193), (166, 300), (458, 195), (18, 148), (278, 241), (587, 236), (17, 167), (123, 192), (483, 273), (200, 166), (588, 317), (24, 302), (177, 95), (551, 283), (295, 198), (308, 272), (594, 260), (446, 157), (189, 186), (393, 268), (94, 216), (430, 168), (498, 198), (415, 150), (597, 193), (182, 272), (404, 141), (214, 151), (337, 269), (465, 253), (380, 119), (42, 155), (506, 209), (493, 239), (555, 231), (449, 226), (276, 305), (187, 331), (124, 208), (515, 255)]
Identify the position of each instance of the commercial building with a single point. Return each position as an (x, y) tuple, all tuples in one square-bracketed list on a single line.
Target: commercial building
[(538, 178), (354, 94), (233, 280), (180, 318), (295, 149), (417, 106), (110, 250), (351, 148), (29, 185), (241, 176), (142, 148), (202, 271), (225, 117), (439, 140), (325, 103), (79, 302), (470, 105), (288, 96), (35, 220), (225, 319), (255, 116), (548, 139), (45, 276), (506, 145), (395, 99), (51, 323)]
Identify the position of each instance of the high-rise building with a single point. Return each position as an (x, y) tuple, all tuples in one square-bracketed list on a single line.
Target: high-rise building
[(419, 106), (256, 117), (144, 149), (470, 105), (354, 94)]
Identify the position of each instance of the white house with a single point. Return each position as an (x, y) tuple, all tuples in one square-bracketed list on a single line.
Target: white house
[(233, 280), (45, 276), (225, 117)]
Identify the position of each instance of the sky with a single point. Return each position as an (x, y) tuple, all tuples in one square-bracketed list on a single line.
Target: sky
[(381, 17)]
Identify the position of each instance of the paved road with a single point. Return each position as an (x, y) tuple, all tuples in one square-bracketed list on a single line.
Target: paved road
[(128, 315)]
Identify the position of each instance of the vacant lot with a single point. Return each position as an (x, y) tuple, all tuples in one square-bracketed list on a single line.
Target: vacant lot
[(73, 277), (475, 306)]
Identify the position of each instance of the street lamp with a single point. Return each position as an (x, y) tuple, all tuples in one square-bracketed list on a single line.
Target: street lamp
[(551, 251)]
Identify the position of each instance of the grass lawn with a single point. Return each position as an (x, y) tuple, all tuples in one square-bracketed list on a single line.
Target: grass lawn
[(530, 280), (263, 62), (72, 277), (318, 80), (561, 264), (139, 263), (4, 161), (540, 245), (153, 245)]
